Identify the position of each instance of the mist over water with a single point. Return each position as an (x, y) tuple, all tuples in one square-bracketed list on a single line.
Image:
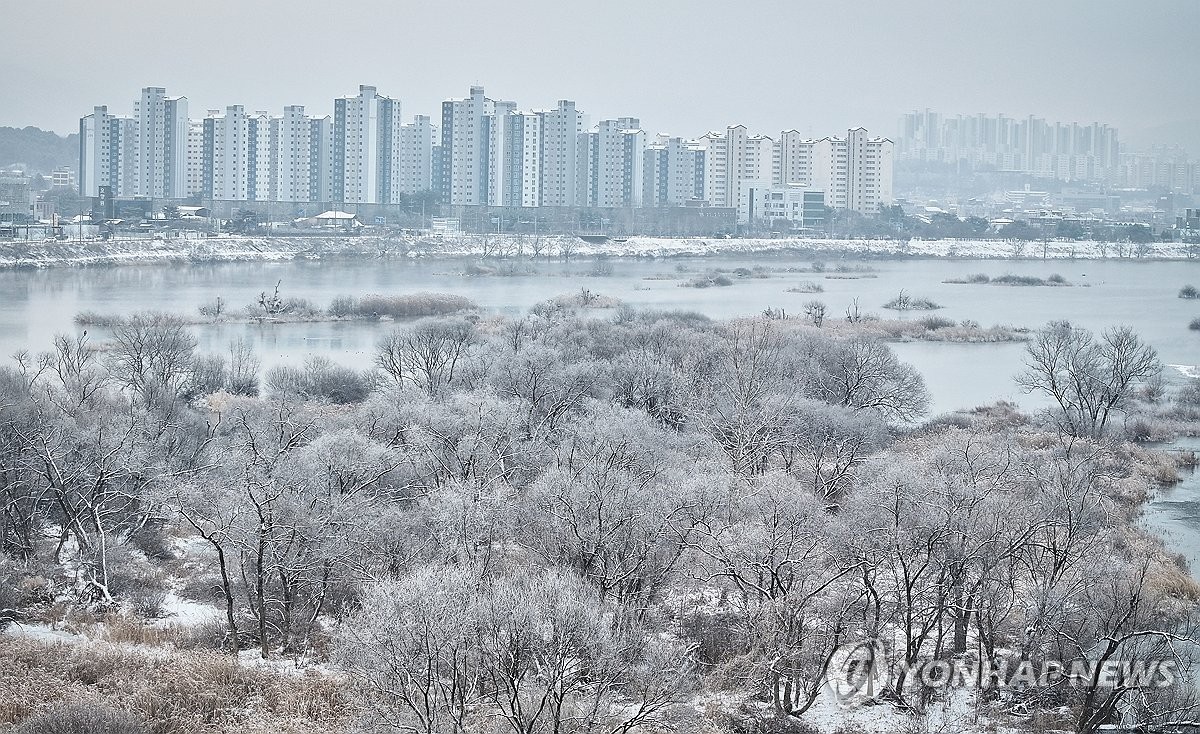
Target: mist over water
[(36, 305)]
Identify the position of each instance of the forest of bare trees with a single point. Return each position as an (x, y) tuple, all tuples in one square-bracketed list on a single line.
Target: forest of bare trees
[(563, 523)]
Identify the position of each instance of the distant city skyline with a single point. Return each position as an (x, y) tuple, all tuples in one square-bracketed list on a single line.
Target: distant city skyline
[(674, 64)]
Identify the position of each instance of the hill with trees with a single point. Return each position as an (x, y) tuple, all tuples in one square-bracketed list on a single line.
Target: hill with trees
[(37, 150)]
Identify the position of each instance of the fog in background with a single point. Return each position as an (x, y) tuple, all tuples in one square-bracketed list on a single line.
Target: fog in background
[(682, 66)]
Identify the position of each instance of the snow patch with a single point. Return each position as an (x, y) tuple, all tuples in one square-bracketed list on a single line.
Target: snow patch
[(1187, 370)]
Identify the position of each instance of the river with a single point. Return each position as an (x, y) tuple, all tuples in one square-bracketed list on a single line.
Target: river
[(34, 305)]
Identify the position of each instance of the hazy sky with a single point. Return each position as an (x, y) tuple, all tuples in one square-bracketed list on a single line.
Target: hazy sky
[(681, 66)]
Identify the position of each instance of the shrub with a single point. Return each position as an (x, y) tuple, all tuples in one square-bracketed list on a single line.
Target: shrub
[(709, 279), (208, 375), (276, 307), (1189, 394), (1194, 324), (684, 318), (82, 717), (1019, 280), (807, 286), (905, 302), (208, 636), (246, 384), (92, 318), (136, 582), (343, 306), (1139, 429), (749, 721), (933, 323), (714, 635), (319, 379), (601, 267), (151, 538), (10, 597), (413, 305), (1056, 279), (300, 307), (213, 308), (1188, 291), (973, 279)]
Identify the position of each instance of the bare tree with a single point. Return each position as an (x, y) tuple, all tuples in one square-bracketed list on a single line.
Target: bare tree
[(823, 444), (815, 312), (151, 354), (427, 354), (794, 587), (77, 365), (567, 247), (853, 312), (440, 649), (863, 373), (618, 510), (1089, 379), (554, 661), (413, 650)]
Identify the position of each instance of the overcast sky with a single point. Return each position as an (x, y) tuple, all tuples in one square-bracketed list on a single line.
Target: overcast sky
[(682, 66)]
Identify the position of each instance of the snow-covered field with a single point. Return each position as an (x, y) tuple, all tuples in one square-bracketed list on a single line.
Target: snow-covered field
[(231, 249)]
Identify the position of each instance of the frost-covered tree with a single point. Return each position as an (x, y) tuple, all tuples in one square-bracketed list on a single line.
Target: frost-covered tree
[(1089, 379)]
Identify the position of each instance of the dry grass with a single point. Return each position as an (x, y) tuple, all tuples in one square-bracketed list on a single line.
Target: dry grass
[(409, 305), (173, 691), (924, 329)]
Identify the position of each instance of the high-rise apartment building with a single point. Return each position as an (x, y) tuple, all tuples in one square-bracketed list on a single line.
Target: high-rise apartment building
[(731, 158), (161, 147), (522, 160), (193, 164), (227, 154), (291, 140), (854, 172), (561, 127), (466, 141), (416, 155), (672, 172), (366, 144), (610, 159), (99, 152)]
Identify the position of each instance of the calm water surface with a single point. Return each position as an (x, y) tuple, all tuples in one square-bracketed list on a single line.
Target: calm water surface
[(34, 305)]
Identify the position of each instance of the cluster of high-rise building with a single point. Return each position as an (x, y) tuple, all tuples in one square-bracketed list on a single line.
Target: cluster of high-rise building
[(481, 152), (1065, 151), (1168, 168), (1055, 150)]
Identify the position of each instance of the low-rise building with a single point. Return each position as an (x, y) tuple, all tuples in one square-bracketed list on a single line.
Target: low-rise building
[(762, 204)]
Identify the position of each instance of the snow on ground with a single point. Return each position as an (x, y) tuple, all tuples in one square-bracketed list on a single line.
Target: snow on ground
[(1186, 370), (955, 714), (43, 633), (230, 249), (179, 612)]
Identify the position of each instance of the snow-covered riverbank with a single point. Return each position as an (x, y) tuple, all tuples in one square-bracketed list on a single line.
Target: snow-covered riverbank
[(233, 249)]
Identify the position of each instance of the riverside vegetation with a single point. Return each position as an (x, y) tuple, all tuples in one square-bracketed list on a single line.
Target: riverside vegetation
[(570, 523)]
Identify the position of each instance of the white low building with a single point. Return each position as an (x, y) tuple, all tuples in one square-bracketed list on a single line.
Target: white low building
[(762, 203)]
